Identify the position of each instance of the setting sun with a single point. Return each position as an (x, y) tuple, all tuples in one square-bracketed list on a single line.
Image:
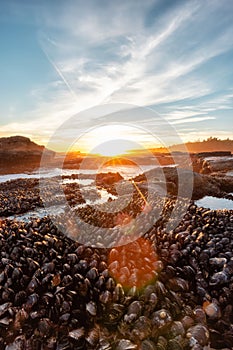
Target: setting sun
[(113, 148), (113, 140)]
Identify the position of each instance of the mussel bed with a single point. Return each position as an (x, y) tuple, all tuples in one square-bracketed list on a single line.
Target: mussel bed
[(58, 294)]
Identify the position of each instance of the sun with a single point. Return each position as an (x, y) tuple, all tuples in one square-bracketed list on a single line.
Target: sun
[(110, 140), (113, 148)]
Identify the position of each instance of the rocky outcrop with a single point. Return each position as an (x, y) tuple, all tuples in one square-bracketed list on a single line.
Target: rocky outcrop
[(214, 154), (107, 181), (186, 183), (18, 153), (216, 164), (212, 162), (19, 144)]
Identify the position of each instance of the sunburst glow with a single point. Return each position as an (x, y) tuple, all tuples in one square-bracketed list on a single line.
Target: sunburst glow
[(113, 140)]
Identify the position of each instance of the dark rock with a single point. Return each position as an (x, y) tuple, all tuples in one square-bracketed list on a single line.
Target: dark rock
[(18, 154)]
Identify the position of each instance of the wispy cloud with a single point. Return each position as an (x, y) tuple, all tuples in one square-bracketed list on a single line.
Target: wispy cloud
[(111, 52), (192, 120)]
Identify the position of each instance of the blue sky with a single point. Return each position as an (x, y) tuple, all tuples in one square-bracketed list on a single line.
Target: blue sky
[(61, 57)]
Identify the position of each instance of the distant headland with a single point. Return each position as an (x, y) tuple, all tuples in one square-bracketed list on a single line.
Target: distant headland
[(20, 154)]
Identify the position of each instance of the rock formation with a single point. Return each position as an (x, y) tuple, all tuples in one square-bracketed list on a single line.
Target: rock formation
[(18, 153), (203, 185)]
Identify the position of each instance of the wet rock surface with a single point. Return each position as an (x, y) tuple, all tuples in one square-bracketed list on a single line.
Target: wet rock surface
[(203, 185), (216, 164), (212, 162), (58, 294)]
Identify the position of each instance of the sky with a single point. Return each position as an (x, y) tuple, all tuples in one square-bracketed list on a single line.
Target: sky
[(60, 58)]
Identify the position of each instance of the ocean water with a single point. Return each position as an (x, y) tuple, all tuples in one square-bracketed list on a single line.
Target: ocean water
[(43, 173), (125, 171)]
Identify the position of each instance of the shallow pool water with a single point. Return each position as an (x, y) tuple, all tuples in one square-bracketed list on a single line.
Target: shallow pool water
[(215, 203), (229, 173), (83, 182), (37, 213)]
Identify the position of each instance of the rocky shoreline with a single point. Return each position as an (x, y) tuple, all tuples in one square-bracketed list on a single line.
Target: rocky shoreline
[(167, 289), (21, 195)]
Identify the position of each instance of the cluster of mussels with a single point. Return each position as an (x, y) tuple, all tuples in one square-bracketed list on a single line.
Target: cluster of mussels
[(21, 195), (18, 196), (58, 294)]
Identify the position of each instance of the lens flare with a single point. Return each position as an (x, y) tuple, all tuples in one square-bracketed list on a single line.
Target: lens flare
[(133, 264)]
